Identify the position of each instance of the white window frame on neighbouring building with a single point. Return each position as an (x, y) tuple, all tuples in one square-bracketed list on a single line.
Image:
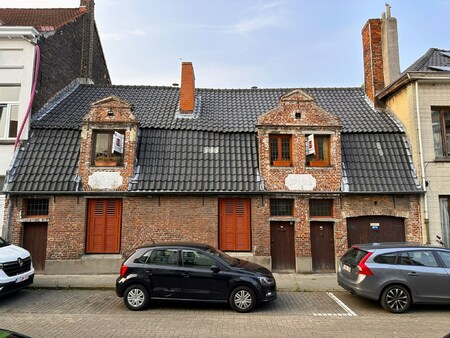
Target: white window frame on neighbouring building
[(9, 111), (444, 204)]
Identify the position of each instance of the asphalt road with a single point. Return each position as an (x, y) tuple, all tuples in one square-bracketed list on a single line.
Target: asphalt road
[(96, 313)]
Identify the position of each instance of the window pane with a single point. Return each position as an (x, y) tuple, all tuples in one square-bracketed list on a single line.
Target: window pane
[(36, 207), (164, 257), (13, 121), (273, 150), (445, 223), (281, 207), (403, 259), (2, 121), (9, 94), (320, 208), (197, 259), (322, 142), (447, 132), (285, 149), (101, 145), (386, 258), (445, 256), (437, 135), (423, 258)]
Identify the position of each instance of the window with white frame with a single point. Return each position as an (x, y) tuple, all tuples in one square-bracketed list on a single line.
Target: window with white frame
[(9, 111), (445, 224), (440, 118)]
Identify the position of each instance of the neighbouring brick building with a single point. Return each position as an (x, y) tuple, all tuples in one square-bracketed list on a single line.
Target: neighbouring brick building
[(41, 52), (285, 177)]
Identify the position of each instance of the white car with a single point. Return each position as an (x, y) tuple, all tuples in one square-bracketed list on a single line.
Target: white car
[(16, 268)]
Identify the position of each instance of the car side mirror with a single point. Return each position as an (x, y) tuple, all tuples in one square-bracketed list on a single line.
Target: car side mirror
[(215, 269)]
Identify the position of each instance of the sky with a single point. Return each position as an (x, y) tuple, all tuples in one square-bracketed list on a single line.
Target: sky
[(263, 43)]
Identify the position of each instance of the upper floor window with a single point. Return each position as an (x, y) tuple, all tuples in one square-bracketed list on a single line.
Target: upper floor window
[(281, 207), (9, 111), (280, 150), (440, 118), (108, 148), (320, 208), (317, 150)]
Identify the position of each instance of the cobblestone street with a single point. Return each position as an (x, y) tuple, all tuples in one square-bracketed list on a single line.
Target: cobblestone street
[(95, 313)]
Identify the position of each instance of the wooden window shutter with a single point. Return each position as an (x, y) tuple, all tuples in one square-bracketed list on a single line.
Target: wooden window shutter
[(235, 224), (104, 221)]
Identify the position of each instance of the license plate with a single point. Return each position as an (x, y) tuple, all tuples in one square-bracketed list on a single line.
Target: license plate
[(347, 268), (21, 279)]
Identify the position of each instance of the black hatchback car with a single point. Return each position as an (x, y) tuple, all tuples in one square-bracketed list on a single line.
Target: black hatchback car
[(194, 272)]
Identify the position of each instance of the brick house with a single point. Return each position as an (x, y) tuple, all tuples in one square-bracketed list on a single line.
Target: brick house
[(284, 177), (419, 97), (41, 52)]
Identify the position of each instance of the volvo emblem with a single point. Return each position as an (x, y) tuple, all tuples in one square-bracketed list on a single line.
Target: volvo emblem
[(20, 261)]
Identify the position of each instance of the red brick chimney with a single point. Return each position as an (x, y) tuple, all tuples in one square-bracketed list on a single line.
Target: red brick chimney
[(373, 58), (187, 90), (380, 52), (87, 51)]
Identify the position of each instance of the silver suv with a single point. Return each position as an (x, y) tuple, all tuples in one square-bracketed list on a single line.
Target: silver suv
[(397, 274)]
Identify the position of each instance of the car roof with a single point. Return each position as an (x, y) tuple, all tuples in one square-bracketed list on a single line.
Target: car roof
[(194, 245), (395, 245)]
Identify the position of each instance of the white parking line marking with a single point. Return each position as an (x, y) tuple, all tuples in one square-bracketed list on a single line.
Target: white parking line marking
[(342, 305), (348, 311)]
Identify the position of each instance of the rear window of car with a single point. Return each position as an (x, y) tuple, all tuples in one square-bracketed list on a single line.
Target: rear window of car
[(388, 258), (353, 256)]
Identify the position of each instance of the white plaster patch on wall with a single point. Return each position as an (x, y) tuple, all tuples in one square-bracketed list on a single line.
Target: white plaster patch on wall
[(304, 182), (105, 181)]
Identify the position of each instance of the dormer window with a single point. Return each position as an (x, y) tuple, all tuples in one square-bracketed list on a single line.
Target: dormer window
[(280, 150), (108, 148), (317, 150)]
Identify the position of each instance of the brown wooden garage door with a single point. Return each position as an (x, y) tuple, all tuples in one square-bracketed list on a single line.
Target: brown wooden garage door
[(104, 222), (375, 229)]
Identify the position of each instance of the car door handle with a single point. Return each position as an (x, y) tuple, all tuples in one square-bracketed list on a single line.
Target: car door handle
[(185, 274), (149, 272), (413, 274)]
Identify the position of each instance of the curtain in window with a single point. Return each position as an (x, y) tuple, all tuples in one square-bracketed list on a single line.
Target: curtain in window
[(445, 226)]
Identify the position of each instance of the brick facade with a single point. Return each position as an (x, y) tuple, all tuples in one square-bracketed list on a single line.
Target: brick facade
[(108, 114)]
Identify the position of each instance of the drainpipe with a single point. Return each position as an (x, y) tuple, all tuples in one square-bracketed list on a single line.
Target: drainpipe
[(33, 92), (425, 233)]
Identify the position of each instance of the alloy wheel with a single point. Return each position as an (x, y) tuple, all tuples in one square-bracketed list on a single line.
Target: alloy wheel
[(243, 299), (397, 299), (136, 298)]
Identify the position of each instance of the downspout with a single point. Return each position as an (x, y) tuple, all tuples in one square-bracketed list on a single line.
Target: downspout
[(33, 92), (426, 233)]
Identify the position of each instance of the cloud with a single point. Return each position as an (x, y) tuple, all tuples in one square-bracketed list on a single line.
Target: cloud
[(122, 35)]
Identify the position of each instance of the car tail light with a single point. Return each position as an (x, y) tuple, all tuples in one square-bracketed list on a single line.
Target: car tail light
[(123, 270), (363, 268)]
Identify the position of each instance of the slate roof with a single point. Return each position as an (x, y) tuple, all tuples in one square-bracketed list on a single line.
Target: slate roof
[(48, 162), (42, 19), (382, 164), (221, 110), (434, 60), (215, 152)]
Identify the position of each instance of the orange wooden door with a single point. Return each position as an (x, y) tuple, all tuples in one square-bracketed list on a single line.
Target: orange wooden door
[(104, 221), (234, 224)]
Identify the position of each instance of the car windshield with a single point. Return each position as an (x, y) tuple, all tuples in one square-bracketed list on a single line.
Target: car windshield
[(230, 260), (3, 242), (353, 256)]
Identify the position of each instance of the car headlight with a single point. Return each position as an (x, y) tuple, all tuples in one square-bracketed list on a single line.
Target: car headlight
[(266, 281)]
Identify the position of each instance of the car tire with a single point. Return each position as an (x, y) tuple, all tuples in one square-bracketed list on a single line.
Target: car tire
[(136, 297), (242, 299), (396, 299)]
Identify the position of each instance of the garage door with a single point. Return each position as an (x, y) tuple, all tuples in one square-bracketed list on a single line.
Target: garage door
[(375, 229)]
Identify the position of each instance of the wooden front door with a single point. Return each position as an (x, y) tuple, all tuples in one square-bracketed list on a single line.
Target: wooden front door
[(322, 246), (35, 241), (104, 223), (375, 229), (282, 245), (234, 224)]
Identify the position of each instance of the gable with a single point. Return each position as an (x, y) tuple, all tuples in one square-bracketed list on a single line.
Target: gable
[(297, 108)]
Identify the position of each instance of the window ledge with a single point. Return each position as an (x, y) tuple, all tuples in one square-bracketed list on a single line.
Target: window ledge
[(35, 219), (322, 219), (321, 168), (443, 159), (7, 141), (283, 219)]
